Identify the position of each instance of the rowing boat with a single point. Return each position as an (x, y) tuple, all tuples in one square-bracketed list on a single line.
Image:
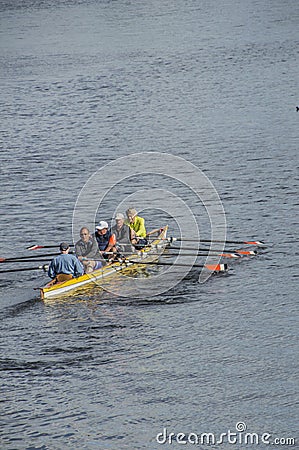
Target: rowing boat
[(149, 254)]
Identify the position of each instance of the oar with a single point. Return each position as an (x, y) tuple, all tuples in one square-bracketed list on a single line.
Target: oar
[(212, 267), (44, 267), (206, 251), (26, 260), (223, 255), (209, 241), (19, 258), (37, 247), (178, 253), (239, 252), (257, 243)]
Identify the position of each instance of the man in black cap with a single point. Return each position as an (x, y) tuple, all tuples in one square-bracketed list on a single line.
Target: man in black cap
[(65, 266)]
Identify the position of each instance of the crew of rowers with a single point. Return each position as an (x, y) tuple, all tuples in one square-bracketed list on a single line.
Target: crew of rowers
[(92, 251)]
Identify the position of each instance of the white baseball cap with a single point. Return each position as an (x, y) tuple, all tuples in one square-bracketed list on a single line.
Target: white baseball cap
[(102, 225), (119, 216)]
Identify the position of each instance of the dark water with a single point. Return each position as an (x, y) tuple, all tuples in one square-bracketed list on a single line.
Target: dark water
[(82, 84)]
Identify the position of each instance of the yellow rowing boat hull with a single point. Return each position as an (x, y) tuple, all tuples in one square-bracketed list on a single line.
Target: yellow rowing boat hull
[(147, 254)]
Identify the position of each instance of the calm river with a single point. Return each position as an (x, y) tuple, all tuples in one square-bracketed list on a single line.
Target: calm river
[(84, 83)]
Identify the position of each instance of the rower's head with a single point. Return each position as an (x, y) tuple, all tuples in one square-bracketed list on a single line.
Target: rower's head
[(102, 228), (64, 247), (131, 214), (119, 219), (84, 234)]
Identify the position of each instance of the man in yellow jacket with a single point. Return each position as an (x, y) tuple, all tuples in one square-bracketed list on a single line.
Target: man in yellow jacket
[(137, 227)]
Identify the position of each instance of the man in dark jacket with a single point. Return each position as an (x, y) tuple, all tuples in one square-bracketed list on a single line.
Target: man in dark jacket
[(122, 234), (87, 251)]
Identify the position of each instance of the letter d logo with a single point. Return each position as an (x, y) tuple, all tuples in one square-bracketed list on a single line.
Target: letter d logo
[(162, 437)]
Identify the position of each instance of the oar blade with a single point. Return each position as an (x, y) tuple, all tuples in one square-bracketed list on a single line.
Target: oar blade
[(230, 255), (217, 267), (247, 252), (36, 247)]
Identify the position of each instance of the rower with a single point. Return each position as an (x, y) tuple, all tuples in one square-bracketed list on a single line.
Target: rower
[(106, 239), (137, 226), (64, 266), (87, 251), (122, 234)]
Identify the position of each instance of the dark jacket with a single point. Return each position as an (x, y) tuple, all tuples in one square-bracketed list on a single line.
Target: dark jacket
[(89, 249)]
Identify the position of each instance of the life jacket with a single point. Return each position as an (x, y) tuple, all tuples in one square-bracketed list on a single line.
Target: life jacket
[(104, 240)]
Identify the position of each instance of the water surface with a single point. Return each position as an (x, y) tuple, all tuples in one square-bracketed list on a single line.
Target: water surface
[(84, 83)]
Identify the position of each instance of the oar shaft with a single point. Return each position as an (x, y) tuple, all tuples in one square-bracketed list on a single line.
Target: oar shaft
[(258, 243), (212, 267), (25, 258), (23, 269), (200, 249), (236, 252), (223, 255)]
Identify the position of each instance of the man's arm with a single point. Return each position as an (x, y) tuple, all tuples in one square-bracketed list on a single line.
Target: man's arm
[(94, 251), (51, 270), (112, 243), (78, 250), (78, 268)]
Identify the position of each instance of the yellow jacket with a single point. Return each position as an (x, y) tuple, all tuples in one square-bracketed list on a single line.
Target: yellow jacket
[(138, 226)]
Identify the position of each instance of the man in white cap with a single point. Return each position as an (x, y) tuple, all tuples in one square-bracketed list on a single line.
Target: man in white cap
[(122, 234), (105, 238)]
